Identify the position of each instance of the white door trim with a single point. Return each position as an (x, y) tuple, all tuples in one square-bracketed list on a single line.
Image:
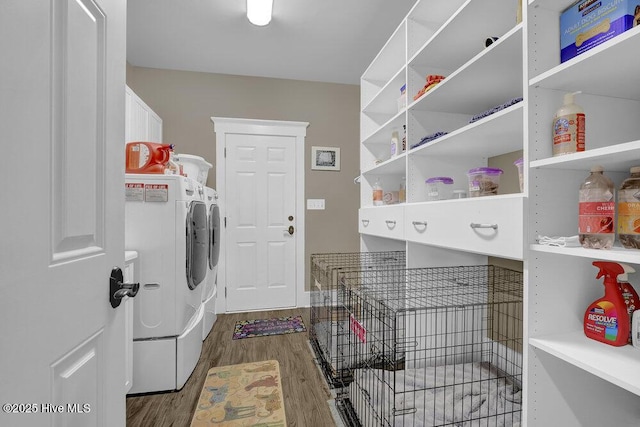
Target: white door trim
[(226, 125)]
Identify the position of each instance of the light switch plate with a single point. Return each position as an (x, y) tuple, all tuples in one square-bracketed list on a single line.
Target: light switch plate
[(315, 204)]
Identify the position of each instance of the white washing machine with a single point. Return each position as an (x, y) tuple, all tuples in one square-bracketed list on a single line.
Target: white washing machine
[(210, 288), (166, 222)]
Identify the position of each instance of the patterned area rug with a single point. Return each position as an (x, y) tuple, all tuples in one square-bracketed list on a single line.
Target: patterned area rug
[(265, 327), (243, 395)]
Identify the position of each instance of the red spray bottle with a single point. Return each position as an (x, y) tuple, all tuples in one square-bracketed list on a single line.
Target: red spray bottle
[(606, 320)]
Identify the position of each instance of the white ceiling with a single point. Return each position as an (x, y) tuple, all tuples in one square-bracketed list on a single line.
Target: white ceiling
[(316, 40)]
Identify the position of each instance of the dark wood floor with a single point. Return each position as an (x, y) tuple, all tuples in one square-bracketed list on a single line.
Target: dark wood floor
[(304, 390)]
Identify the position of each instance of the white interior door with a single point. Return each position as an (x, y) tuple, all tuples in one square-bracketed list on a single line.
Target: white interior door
[(261, 221), (62, 74)]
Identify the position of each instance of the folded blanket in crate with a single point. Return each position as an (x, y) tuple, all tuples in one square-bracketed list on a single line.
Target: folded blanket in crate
[(467, 394)]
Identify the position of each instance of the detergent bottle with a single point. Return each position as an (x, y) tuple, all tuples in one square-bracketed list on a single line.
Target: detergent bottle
[(568, 127), (628, 293), (147, 157), (606, 319)]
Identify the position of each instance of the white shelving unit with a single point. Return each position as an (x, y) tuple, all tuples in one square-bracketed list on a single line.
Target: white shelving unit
[(445, 38), (572, 380), (569, 380)]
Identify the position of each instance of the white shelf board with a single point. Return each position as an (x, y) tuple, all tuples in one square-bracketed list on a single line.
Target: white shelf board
[(496, 134), (470, 200), (377, 83), (617, 365), (615, 158), (608, 70), (390, 58), (386, 100), (463, 35), (377, 117), (426, 18), (382, 207), (616, 254), (382, 136), (392, 166), (492, 77), (510, 256)]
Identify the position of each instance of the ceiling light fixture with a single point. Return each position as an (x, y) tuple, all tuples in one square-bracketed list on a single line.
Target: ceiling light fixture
[(259, 11)]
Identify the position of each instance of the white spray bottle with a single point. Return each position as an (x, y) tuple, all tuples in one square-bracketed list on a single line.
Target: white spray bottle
[(632, 301), (568, 127), (629, 295)]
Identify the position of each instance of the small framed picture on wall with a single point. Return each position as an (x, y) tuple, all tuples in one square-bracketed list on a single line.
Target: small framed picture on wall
[(325, 158)]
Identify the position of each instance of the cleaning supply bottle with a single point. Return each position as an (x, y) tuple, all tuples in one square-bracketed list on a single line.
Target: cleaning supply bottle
[(377, 193), (635, 329), (628, 293), (629, 210), (596, 209), (402, 191), (568, 127), (395, 141), (606, 319), (172, 167), (519, 12)]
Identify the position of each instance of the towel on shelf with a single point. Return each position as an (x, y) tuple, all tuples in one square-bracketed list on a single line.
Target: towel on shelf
[(559, 241), (467, 394), (432, 81), (495, 109), (429, 138)]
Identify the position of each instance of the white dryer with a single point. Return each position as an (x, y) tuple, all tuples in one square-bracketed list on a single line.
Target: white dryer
[(210, 288), (166, 222)]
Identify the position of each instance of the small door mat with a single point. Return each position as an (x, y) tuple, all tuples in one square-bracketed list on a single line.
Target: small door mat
[(244, 395), (265, 327)]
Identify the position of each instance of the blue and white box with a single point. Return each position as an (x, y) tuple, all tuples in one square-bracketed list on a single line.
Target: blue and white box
[(589, 23), (402, 100)]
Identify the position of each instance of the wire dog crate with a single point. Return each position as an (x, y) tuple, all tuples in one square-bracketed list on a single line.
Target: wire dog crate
[(329, 320), (441, 347)]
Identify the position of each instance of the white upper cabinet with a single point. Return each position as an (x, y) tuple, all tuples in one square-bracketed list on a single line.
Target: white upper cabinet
[(141, 123)]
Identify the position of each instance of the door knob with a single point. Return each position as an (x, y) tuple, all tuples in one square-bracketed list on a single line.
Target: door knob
[(118, 289), (291, 229)]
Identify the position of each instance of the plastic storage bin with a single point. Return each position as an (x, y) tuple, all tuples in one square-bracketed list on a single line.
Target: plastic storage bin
[(484, 181), (194, 167), (439, 188)]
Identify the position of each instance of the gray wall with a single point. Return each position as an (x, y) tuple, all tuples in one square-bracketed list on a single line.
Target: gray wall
[(186, 101), (509, 183)]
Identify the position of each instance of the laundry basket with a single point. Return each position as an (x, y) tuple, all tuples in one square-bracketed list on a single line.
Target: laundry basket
[(194, 167)]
